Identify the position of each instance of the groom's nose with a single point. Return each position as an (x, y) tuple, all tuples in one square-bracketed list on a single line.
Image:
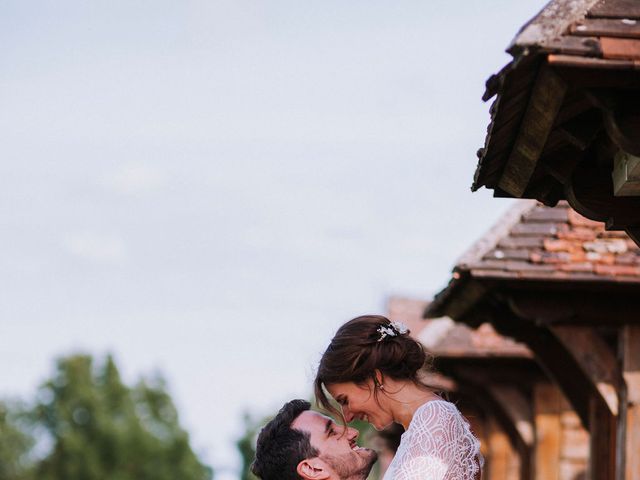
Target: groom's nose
[(352, 433)]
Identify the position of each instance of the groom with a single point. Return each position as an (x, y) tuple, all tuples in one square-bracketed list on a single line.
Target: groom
[(302, 444)]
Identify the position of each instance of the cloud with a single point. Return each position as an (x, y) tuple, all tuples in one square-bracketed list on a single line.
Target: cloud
[(134, 179), (96, 247)]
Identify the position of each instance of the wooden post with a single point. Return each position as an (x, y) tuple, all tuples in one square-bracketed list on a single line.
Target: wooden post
[(629, 421), (518, 410), (547, 404), (562, 445), (574, 450), (502, 462), (602, 463)]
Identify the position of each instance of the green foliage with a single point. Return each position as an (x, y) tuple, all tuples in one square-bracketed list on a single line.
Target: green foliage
[(98, 428), (246, 445), (15, 444)]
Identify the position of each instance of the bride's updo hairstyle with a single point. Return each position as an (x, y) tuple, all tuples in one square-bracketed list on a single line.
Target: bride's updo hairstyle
[(359, 348)]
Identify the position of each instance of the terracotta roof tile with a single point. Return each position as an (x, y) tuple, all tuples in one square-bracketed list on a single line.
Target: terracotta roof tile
[(570, 248), (578, 233)]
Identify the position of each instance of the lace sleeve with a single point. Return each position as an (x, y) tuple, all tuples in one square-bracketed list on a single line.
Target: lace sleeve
[(440, 446)]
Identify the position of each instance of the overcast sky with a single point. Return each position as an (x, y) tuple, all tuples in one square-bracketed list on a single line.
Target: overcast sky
[(209, 188)]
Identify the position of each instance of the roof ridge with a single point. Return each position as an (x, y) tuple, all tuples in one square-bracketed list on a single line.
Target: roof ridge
[(552, 21)]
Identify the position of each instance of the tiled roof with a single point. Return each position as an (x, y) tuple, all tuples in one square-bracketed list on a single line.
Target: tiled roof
[(587, 34), (538, 242), (443, 337), (606, 29)]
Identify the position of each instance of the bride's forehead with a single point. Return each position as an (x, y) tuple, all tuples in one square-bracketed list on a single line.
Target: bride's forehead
[(346, 388)]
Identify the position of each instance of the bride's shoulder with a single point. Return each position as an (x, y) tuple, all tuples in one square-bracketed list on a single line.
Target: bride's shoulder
[(436, 411)]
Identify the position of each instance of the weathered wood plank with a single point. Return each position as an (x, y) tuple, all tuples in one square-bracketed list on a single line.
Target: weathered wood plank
[(607, 27), (616, 9), (570, 45), (544, 104)]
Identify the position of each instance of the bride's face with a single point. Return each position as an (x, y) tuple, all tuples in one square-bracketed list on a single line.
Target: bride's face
[(358, 402)]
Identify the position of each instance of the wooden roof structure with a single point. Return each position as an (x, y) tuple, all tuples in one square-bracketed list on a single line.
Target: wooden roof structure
[(570, 290), (565, 122)]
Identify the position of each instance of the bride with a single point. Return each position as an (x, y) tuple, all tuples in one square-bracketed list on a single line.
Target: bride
[(372, 368)]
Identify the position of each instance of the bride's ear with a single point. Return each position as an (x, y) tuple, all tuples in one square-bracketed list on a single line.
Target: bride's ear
[(313, 469), (379, 377)]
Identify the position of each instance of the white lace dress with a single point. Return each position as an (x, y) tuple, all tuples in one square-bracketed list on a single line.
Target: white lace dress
[(438, 445)]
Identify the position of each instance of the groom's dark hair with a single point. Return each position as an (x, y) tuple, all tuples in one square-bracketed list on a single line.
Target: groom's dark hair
[(281, 448)]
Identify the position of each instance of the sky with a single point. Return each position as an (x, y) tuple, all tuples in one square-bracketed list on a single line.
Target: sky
[(210, 188)]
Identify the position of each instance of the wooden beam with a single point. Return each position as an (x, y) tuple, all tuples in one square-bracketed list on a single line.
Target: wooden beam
[(457, 299), (596, 308), (553, 357), (621, 114), (596, 360), (626, 175), (545, 102), (590, 193), (518, 408)]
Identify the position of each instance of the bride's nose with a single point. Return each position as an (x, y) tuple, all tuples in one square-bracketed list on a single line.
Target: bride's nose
[(348, 415)]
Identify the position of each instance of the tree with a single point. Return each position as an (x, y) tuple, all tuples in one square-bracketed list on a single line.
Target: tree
[(246, 444), (15, 444), (101, 429)]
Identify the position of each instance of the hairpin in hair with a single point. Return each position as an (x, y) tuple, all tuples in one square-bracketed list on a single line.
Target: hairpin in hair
[(392, 330)]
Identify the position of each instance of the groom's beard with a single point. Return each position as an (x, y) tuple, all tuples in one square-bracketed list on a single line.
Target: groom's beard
[(350, 467)]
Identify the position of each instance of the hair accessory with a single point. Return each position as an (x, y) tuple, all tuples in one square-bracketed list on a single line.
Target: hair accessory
[(392, 330)]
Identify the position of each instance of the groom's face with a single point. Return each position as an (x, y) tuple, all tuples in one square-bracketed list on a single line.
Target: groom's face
[(337, 446)]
